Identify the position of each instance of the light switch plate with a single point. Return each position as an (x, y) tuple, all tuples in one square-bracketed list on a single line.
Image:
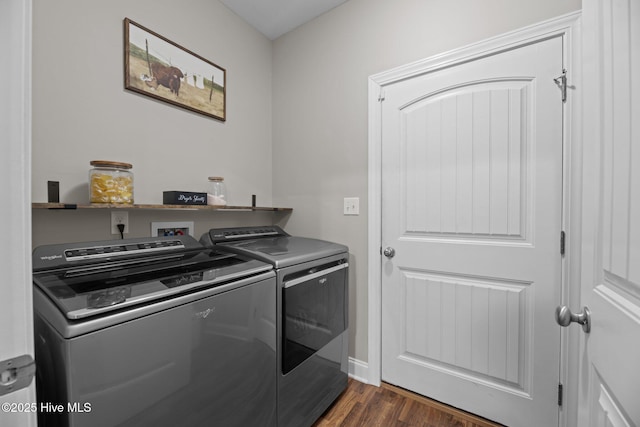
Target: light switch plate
[(352, 206)]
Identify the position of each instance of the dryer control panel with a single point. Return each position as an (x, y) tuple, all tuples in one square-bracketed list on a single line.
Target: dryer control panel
[(219, 235)]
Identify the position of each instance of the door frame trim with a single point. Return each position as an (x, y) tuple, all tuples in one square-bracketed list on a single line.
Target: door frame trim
[(565, 26), (16, 16)]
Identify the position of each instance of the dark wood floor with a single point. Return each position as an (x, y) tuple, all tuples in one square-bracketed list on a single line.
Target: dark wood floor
[(363, 405)]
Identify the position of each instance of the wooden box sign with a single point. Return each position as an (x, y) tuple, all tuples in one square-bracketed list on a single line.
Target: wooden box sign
[(183, 198), (157, 67)]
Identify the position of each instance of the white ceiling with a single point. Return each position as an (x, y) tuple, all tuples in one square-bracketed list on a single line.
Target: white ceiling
[(273, 18)]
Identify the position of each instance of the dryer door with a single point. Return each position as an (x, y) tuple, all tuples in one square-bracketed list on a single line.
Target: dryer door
[(314, 307)]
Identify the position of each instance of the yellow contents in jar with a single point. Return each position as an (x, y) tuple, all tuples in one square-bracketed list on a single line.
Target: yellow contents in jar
[(106, 188)]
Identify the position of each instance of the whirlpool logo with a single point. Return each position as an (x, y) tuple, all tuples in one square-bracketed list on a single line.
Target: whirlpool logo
[(323, 280), (204, 314)]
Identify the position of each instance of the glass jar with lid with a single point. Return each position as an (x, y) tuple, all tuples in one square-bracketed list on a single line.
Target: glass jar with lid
[(110, 182), (217, 191)]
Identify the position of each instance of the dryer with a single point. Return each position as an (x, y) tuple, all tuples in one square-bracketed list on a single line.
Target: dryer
[(312, 315)]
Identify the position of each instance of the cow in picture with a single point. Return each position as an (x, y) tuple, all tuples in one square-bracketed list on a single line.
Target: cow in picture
[(168, 77)]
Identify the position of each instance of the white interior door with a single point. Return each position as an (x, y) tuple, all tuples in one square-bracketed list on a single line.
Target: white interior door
[(610, 362), (16, 326), (472, 205)]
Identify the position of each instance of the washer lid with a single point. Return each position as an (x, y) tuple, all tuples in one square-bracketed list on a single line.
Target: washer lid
[(284, 251), (88, 290)]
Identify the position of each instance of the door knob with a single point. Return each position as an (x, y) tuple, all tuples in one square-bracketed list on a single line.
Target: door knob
[(564, 317), (389, 252)]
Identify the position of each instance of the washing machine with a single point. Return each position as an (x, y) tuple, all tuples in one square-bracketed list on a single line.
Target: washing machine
[(154, 331)]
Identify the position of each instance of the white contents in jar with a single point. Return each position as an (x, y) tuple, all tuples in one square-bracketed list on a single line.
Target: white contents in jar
[(216, 200), (217, 193)]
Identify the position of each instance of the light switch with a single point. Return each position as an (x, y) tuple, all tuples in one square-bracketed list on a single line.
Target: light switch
[(352, 206)]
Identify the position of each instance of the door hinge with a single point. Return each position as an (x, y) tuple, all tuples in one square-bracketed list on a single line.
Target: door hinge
[(16, 373), (381, 95), (561, 82), (560, 394), (562, 240)]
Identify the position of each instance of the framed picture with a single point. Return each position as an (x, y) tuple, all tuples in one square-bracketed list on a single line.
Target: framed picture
[(157, 67)]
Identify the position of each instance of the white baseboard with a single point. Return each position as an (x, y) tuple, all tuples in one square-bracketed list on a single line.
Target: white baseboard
[(359, 370)]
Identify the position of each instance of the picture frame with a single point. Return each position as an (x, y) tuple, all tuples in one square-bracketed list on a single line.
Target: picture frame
[(156, 67)]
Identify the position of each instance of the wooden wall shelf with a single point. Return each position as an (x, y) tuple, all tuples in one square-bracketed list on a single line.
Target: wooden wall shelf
[(67, 206)]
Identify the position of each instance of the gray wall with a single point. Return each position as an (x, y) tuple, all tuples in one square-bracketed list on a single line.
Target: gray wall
[(320, 106), (82, 112)]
